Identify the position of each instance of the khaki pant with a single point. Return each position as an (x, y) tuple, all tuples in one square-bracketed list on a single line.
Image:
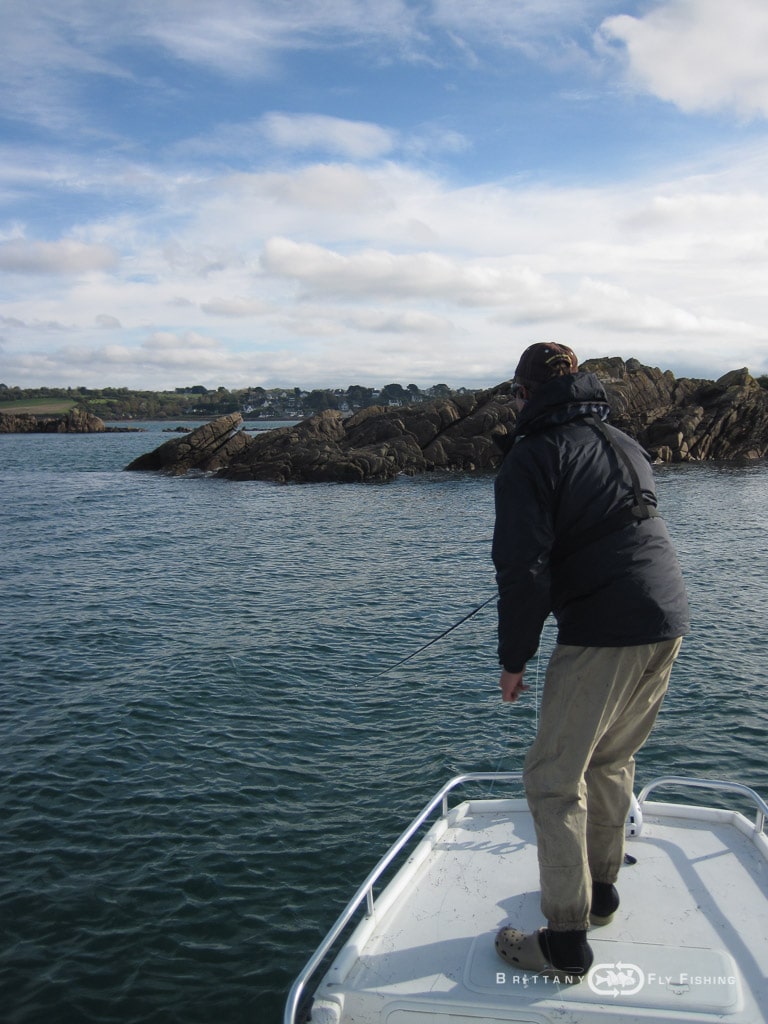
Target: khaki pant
[(598, 708)]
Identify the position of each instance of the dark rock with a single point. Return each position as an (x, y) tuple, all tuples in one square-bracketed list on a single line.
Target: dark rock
[(78, 421), (675, 420), (206, 449), (686, 420), (378, 444), (313, 451)]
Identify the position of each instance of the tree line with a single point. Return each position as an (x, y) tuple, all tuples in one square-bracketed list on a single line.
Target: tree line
[(199, 401)]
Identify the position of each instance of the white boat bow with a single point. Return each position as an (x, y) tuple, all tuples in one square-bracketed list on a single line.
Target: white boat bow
[(689, 943)]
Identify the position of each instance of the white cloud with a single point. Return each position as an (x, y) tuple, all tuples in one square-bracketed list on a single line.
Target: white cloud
[(702, 55), (320, 194), (625, 310), (34, 324), (51, 50), (357, 140), (302, 133), (242, 37), (46, 51), (502, 21), (234, 307), (54, 52), (67, 256), (435, 139), (332, 273), (109, 322), (411, 323), (171, 346), (376, 272)]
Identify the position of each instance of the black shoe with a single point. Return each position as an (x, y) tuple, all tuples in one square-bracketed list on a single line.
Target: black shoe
[(605, 903), (569, 952)]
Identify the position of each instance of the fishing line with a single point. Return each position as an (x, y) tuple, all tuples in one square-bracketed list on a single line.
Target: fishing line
[(507, 730), (507, 727), (429, 643)]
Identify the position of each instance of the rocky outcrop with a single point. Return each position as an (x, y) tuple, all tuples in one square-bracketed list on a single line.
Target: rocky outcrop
[(686, 420), (675, 420), (78, 421), (378, 444), (207, 449)]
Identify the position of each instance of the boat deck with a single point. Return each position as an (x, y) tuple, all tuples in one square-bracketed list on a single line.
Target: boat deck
[(689, 943)]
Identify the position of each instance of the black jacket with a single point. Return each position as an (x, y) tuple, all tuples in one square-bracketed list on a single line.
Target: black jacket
[(561, 543)]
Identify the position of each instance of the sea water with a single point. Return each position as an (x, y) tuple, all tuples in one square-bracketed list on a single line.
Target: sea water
[(204, 748)]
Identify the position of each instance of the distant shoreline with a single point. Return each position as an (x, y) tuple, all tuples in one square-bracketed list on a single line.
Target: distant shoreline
[(76, 421), (25, 409)]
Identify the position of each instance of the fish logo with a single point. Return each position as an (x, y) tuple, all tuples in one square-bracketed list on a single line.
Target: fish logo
[(616, 979)]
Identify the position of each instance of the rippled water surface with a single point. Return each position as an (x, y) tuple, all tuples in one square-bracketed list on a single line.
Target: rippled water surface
[(201, 758)]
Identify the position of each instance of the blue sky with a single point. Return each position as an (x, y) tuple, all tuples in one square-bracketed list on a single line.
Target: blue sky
[(321, 193)]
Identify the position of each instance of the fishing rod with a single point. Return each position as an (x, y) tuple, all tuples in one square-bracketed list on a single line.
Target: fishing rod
[(434, 640)]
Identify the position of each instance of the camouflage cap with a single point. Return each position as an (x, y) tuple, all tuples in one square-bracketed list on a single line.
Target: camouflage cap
[(544, 360)]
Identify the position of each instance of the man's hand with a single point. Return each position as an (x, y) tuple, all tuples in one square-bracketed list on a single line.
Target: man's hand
[(512, 685)]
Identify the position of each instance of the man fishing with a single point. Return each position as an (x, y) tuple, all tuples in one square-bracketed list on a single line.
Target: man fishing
[(578, 534)]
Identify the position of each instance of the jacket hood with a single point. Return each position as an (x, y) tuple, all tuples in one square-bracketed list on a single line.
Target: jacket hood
[(562, 399)]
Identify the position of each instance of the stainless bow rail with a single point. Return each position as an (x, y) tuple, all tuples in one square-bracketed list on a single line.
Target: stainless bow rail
[(717, 784), (365, 892)]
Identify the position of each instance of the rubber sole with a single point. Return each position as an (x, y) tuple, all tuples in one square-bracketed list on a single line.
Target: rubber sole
[(523, 951)]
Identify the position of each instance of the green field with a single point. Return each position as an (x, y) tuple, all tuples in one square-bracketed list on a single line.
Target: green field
[(40, 406)]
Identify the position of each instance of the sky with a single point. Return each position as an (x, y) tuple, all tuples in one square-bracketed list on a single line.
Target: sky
[(320, 193)]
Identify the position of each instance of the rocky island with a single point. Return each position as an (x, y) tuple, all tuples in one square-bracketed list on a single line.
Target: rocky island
[(676, 420), (78, 421)]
